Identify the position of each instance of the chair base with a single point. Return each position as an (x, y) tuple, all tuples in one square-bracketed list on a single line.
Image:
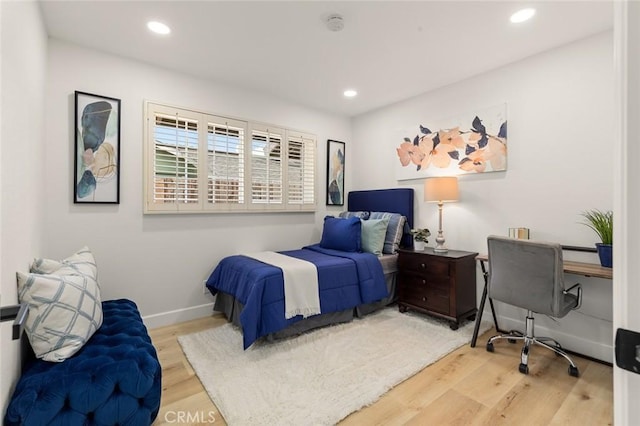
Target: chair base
[(530, 339)]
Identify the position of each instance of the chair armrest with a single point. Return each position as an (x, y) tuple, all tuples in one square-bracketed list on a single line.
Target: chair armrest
[(578, 288)]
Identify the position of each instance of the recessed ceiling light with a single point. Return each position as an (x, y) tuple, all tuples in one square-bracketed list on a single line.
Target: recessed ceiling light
[(158, 27), (350, 93), (522, 15)]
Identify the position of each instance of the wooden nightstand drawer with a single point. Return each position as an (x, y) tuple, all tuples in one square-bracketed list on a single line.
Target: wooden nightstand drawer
[(424, 264), (414, 280), (432, 299), (441, 284)]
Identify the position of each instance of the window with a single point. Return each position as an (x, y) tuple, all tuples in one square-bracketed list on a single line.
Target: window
[(266, 166), (301, 169), (196, 162), (175, 153), (225, 163)]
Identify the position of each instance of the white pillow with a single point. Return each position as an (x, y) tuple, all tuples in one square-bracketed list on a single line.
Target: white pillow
[(64, 304)]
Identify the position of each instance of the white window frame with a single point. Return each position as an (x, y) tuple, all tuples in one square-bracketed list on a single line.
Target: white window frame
[(305, 167)]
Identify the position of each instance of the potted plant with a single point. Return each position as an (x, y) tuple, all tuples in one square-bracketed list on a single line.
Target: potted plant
[(420, 238), (602, 224)]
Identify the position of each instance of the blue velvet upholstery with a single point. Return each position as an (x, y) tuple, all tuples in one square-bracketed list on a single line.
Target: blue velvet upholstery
[(114, 379)]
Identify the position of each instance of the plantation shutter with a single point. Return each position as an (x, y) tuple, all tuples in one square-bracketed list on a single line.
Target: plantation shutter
[(225, 163), (301, 191), (196, 163), (174, 162), (266, 168)]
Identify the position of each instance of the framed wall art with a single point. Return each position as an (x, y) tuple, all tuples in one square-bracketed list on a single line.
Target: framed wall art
[(335, 173), (97, 149), (471, 143)]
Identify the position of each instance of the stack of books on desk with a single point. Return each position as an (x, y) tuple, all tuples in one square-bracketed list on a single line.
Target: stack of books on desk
[(520, 233)]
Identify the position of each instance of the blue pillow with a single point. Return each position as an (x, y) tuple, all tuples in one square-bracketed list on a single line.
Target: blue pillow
[(341, 234)]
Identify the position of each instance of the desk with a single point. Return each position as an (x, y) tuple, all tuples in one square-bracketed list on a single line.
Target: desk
[(570, 267)]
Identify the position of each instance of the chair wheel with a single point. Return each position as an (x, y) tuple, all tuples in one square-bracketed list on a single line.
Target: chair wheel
[(523, 368), (513, 341), (489, 347), (573, 371)]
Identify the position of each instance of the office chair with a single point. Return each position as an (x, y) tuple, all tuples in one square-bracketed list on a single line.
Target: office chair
[(530, 275)]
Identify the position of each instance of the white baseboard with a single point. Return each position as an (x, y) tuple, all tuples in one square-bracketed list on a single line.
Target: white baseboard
[(580, 345), (179, 315)]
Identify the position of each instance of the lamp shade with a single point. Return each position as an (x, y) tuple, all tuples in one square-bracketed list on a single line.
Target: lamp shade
[(442, 188)]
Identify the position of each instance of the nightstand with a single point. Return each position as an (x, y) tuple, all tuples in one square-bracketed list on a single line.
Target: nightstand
[(439, 284)]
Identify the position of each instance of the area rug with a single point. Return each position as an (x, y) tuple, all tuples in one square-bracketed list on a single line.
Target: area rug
[(320, 377)]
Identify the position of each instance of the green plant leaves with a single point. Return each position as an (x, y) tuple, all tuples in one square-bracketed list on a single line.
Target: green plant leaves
[(601, 223)]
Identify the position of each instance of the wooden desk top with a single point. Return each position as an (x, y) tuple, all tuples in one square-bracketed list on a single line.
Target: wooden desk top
[(578, 268)]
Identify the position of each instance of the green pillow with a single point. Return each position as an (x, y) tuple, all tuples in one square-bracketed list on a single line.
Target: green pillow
[(373, 233)]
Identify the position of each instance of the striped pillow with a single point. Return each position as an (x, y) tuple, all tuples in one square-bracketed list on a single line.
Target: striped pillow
[(394, 230), (361, 215)]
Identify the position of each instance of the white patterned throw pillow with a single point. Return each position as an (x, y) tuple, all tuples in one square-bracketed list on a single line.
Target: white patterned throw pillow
[(64, 304)]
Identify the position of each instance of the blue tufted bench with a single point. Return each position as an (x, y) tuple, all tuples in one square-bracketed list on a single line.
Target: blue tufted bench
[(115, 379)]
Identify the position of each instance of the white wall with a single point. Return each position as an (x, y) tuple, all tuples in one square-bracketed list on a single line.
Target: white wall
[(560, 162), (160, 261), (22, 81)]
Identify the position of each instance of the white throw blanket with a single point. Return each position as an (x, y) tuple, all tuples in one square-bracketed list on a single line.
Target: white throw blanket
[(301, 294)]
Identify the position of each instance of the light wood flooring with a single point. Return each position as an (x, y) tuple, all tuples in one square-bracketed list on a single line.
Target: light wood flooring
[(470, 386)]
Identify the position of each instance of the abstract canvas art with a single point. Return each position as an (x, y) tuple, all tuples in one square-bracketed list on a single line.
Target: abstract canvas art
[(335, 172), (472, 143), (97, 149)]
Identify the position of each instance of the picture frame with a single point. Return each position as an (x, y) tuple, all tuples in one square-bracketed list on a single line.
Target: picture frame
[(96, 177), (335, 172)]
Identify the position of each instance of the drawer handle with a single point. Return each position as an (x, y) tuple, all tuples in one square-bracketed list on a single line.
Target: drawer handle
[(422, 264), (424, 299)]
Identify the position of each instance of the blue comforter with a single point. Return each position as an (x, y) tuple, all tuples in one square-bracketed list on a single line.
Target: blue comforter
[(345, 281)]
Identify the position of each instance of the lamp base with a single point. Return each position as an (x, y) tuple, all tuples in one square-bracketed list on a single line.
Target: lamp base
[(440, 248)]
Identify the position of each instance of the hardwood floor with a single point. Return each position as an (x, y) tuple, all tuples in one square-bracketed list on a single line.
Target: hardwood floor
[(470, 386)]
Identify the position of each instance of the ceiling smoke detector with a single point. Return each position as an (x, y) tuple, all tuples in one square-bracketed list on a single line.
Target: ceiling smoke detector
[(335, 22)]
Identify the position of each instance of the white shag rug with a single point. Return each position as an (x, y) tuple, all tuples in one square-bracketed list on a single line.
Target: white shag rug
[(320, 377)]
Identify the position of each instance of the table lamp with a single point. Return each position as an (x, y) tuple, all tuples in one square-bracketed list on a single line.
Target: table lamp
[(440, 189)]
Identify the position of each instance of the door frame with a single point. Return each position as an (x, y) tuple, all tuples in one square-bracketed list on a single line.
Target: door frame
[(626, 197)]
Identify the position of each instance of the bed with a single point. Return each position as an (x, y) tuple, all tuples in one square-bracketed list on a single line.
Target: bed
[(351, 283)]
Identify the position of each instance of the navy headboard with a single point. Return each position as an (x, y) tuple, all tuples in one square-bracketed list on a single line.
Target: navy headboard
[(396, 200)]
